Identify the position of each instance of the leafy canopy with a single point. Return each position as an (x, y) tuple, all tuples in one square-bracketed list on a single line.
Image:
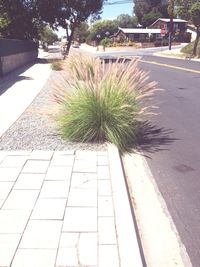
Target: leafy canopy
[(100, 28), (68, 13), (81, 32), (47, 35), (105, 28), (17, 19), (148, 7), (127, 21), (195, 14)]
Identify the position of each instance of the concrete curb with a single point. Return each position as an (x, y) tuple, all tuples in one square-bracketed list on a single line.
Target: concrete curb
[(167, 56), (160, 239), (129, 250)]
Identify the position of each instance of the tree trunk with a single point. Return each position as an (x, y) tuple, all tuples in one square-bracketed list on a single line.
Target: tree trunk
[(194, 52), (70, 38)]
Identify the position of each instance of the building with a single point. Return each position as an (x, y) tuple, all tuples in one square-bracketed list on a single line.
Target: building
[(157, 31), (178, 24), (179, 29), (137, 34)]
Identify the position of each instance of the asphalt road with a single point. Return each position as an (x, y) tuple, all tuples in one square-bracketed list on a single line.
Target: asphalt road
[(172, 145)]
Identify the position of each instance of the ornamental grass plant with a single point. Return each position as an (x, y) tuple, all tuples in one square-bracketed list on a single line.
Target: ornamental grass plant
[(57, 65), (101, 102)]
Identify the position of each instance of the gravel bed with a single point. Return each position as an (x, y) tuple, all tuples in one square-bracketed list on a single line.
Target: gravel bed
[(36, 130)]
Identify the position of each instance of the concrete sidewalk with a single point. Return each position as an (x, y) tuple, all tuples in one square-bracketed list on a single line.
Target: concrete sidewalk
[(19, 91), (67, 208)]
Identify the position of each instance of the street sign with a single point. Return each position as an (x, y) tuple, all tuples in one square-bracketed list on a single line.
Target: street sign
[(162, 31)]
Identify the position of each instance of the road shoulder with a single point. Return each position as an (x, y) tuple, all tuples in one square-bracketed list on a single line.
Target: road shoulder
[(160, 240)]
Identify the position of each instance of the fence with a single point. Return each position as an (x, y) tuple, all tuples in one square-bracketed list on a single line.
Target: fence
[(16, 53)]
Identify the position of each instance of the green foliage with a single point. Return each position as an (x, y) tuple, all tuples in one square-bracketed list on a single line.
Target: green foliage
[(191, 10), (163, 42), (195, 14), (101, 28), (57, 65), (68, 13), (47, 35), (17, 20), (150, 18), (183, 8), (189, 48), (126, 21), (131, 43), (81, 32), (105, 42), (141, 8), (104, 102), (144, 7)]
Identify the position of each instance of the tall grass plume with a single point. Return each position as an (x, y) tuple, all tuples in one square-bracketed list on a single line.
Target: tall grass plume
[(104, 102)]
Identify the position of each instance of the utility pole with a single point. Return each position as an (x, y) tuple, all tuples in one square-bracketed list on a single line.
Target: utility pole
[(171, 24)]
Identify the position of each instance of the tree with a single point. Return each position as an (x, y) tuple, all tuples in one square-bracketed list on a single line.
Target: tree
[(195, 17), (17, 20), (81, 32), (149, 18), (47, 35), (127, 21), (67, 13), (183, 7), (103, 28), (105, 42), (141, 8), (144, 7)]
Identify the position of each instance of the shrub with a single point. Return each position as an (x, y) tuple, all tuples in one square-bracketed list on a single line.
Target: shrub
[(130, 43), (56, 65), (105, 101), (105, 42), (163, 42), (188, 49)]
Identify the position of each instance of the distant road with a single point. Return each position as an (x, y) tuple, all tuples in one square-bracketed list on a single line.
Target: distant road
[(137, 52)]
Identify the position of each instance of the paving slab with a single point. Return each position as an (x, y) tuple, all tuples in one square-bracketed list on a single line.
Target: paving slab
[(41, 234), (30, 181), (8, 246), (58, 208), (34, 258), (13, 221), (21, 200), (9, 174), (55, 189), (5, 188), (49, 209)]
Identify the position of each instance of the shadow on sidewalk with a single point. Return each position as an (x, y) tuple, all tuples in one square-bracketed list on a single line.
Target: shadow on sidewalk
[(15, 76)]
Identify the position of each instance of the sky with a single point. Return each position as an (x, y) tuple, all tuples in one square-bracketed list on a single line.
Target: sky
[(109, 12), (112, 11)]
